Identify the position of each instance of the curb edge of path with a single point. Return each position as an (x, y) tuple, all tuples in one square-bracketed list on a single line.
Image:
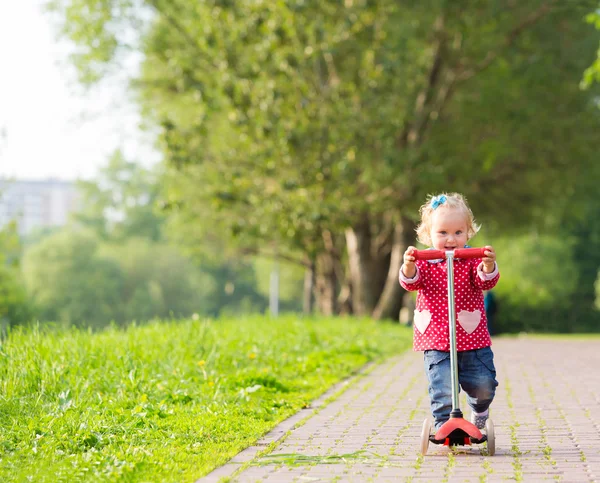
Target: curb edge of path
[(294, 421)]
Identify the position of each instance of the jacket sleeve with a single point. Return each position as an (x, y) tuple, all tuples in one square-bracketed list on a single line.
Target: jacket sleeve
[(482, 280), (412, 284)]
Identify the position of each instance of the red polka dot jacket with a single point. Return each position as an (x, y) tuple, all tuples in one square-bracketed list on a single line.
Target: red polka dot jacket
[(431, 330)]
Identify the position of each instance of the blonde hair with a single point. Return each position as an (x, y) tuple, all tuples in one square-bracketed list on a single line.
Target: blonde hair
[(452, 201)]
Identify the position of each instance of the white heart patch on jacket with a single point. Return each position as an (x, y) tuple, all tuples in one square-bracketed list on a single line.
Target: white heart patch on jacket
[(422, 320), (469, 320)]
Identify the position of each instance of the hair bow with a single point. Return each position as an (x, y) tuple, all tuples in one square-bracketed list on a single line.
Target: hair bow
[(437, 201)]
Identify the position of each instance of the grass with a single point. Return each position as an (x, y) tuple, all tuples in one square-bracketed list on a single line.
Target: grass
[(294, 459), (515, 450), (168, 401)]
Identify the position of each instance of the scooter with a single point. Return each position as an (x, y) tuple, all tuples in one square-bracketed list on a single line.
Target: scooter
[(457, 430)]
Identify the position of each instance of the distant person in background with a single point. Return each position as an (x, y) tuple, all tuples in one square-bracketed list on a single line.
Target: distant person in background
[(491, 307)]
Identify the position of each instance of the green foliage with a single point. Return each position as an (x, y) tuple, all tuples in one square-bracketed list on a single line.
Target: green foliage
[(98, 32), (14, 304), (236, 291), (10, 246), (586, 232), (296, 130), (159, 282), (38, 234), (546, 319), (285, 120), (597, 292), (538, 270), (291, 280), (71, 282), (285, 123), (521, 142), (542, 286), (168, 401), (75, 278), (592, 73), (121, 202)]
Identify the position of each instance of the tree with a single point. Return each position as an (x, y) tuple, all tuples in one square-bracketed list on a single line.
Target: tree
[(70, 282), (121, 202), (317, 128), (159, 282), (592, 74), (15, 306)]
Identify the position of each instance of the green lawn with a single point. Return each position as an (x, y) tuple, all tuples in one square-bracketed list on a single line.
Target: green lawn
[(168, 401)]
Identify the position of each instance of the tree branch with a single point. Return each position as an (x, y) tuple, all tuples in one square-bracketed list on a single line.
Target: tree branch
[(412, 129), (445, 80), (510, 38), (181, 30)]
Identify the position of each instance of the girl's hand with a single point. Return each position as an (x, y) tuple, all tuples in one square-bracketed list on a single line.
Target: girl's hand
[(489, 260), (409, 269)]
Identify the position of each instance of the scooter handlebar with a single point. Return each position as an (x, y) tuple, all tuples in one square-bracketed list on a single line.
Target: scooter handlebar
[(428, 254), (469, 252), (458, 253)]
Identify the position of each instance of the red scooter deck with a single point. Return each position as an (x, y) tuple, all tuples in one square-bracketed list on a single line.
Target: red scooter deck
[(458, 430)]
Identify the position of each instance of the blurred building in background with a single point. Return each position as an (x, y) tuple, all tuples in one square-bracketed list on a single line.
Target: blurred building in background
[(36, 204)]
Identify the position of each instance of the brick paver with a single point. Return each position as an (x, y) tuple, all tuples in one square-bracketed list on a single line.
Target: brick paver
[(546, 415)]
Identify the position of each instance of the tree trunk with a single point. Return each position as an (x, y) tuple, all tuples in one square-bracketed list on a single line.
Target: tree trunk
[(345, 299), (309, 286), (390, 301), (358, 244), (407, 312), (325, 284)]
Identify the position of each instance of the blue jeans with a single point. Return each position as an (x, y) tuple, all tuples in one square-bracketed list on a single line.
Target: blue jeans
[(476, 376)]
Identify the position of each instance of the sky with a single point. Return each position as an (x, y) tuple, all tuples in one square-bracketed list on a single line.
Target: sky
[(49, 126)]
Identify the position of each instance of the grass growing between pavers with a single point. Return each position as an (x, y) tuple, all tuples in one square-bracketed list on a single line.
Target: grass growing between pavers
[(514, 440), (487, 471), (168, 401), (545, 448), (296, 459)]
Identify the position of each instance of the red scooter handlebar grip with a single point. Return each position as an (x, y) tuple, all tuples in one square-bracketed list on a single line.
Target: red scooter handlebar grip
[(428, 254), (458, 253), (469, 253)]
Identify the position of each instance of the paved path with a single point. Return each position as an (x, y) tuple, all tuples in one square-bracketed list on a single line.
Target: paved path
[(546, 414)]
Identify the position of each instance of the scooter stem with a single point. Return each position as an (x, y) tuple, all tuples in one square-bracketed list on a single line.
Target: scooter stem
[(456, 412)]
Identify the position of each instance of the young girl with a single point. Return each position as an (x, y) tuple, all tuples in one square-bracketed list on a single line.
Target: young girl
[(447, 223)]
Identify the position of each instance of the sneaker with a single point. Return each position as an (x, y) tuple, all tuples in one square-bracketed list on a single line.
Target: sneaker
[(479, 420)]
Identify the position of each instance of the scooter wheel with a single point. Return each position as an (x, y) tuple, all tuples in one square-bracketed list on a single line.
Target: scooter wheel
[(491, 437), (425, 432)]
